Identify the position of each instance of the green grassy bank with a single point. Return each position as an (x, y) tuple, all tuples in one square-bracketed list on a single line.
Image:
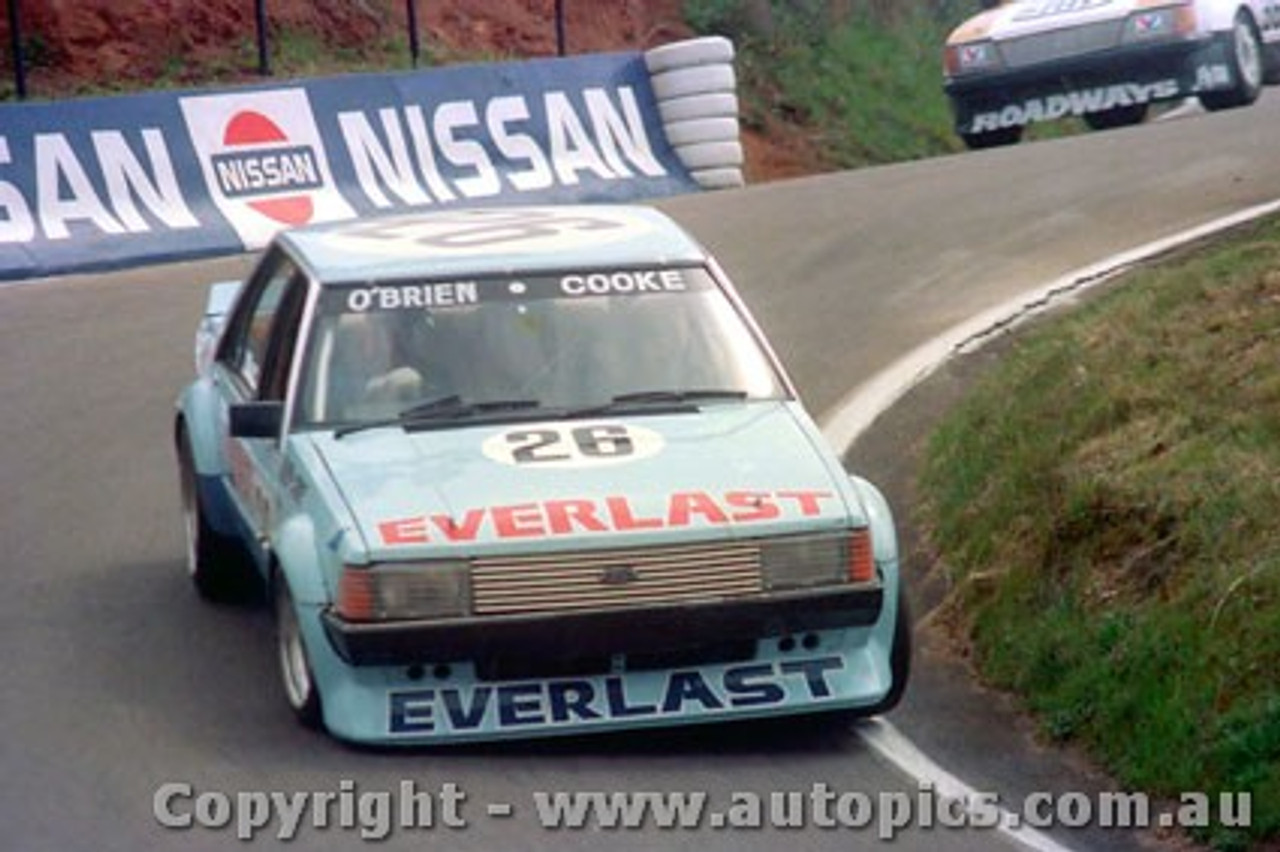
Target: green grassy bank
[(1107, 502)]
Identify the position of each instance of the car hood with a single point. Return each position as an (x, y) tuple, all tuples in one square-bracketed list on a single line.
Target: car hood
[(726, 471), (1018, 19)]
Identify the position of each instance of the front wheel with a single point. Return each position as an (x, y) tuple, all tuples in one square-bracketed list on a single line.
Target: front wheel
[(1246, 57), (295, 668), (1117, 117), (900, 671), (992, 138), (899, 659)]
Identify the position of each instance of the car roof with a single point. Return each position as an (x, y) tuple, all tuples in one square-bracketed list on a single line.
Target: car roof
[(491, 241)]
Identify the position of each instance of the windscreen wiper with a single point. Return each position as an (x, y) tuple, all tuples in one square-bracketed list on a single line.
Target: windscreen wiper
[(689, 395), (443, 409), (658, 401)]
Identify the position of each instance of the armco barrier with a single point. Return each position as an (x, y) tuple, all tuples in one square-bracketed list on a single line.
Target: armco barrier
[(108, 182)]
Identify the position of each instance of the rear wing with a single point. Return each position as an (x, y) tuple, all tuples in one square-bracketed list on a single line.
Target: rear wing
[(221, 297)]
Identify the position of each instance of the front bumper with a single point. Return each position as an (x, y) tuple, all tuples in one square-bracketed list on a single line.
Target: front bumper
[(800, 669), (591, 641), (1098, 82)]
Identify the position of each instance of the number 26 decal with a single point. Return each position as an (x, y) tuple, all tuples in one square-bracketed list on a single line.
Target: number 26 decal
[(573, 445)]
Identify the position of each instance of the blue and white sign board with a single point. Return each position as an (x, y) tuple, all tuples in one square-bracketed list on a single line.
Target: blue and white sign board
[(108, 182)]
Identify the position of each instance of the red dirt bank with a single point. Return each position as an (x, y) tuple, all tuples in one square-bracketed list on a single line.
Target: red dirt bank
[(72, 44)]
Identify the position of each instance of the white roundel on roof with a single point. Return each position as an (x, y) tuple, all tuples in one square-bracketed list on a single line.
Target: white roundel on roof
[(490, 231)]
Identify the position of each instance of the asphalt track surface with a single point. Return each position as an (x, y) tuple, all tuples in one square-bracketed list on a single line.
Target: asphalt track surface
[(117, 680)]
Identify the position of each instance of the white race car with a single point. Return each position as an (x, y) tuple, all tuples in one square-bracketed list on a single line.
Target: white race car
[(1105, 61)]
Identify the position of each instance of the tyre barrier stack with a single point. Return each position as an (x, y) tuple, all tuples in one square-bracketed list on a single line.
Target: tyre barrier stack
[(695, 86)]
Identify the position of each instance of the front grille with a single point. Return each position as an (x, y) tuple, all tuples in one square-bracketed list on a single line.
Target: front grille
[(504, 585), (1059, 44)]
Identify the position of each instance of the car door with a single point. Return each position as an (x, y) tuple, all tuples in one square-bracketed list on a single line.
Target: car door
[(253, 365)]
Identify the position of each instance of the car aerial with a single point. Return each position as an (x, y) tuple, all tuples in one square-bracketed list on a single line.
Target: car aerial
[(1105, 61), (527, 471)]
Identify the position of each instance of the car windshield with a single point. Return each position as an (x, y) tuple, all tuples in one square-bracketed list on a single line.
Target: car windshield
[(531, 344)]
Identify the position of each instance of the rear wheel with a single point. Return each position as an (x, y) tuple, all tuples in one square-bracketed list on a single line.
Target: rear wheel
[(295, 667), (1118, 117), (217, 564), (1246, 56), (992, 138)]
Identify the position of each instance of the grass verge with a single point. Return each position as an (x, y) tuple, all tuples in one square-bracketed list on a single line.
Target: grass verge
[(1106, 503)]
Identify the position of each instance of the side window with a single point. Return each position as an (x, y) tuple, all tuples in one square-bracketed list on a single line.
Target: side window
[(245, 348), (284, 338)]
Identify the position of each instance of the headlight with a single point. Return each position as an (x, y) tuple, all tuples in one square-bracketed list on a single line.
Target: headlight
[(436, 589), (1162, 23), (972, 56), (818, 560)]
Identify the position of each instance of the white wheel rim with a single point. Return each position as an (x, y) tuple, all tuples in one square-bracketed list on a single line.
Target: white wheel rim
[(190, 521), (293, 657), (1248, 57)]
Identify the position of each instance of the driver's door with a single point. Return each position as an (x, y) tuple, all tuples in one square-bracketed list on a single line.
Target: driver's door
[(253, 365)]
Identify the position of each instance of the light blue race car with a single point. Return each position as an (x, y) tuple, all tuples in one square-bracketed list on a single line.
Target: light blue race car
[(523, 472)]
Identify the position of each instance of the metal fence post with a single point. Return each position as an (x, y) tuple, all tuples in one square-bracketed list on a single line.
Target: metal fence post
[(15, 44), (560, 28), (415, 48), (264, 56)]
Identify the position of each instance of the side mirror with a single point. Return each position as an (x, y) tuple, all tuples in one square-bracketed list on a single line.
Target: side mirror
[(257, 419)]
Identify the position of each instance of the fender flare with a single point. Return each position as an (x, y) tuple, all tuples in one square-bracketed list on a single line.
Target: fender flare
[(1217, 16), (301, 559), (884, 534), (197, 416)]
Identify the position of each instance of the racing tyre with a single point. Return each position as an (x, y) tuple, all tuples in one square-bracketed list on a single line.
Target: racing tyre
[(899, 668), (899, 660), (295, 668), (1246, 56), (710, 50), (217, 564), (696, 131), (724, 178), (1118, 117), (992, 138), (722, 105), (711, 155), (694, 80)]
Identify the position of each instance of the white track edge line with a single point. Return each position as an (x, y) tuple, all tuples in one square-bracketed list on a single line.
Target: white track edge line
[(849, 418), (887, 741)]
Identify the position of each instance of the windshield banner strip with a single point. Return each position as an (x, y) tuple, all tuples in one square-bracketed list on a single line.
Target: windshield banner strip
[(443, 295)]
